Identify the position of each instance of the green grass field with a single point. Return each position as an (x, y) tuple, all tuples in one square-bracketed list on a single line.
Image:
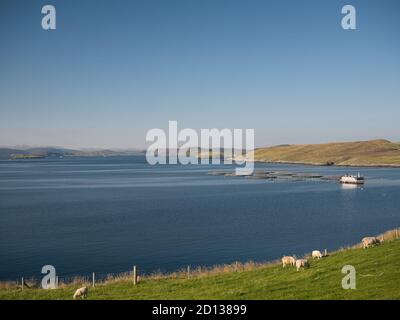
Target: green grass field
[(377, 277)]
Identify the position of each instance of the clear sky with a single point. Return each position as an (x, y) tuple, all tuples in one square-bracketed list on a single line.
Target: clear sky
[(114, 69)]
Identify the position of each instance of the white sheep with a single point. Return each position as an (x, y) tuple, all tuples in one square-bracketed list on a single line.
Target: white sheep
[(301, 263), (369, 241), (288, 261), (81, 293), (316, 254)]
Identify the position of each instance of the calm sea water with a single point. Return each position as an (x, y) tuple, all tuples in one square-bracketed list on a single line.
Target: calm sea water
[(108, 214)]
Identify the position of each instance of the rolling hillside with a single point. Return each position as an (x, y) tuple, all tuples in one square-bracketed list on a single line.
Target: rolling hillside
[(377, 277), (362, 153)]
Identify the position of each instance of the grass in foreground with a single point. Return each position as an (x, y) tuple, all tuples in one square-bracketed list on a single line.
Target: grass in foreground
[(378, 277)]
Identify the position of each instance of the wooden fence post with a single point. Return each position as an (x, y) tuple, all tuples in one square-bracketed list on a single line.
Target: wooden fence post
[(22, 283), (134, 275), (325, 252), (397, 233), (93, 280), (56, 282), (188, 272)]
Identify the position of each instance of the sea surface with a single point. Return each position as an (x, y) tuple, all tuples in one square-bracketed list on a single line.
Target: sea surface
[(104, 215)]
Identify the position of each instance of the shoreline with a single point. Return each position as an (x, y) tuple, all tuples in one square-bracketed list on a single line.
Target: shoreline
[(316, 164), (192, 272)]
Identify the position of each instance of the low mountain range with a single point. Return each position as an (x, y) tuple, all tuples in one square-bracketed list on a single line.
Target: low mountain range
[(361, 153), (55, 152)]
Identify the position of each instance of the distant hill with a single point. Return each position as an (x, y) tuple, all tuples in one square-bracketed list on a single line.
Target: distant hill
[(361, 153), (6, 153), (51, 152), (103, 153)]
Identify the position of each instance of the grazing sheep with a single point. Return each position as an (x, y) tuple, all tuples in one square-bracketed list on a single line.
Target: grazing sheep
[(81, 293), (316, 254), (288, 261), (301, 263), (369, 242)]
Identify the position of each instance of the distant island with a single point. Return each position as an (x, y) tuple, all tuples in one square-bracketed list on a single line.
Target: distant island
[(361, 153), (52, 152), (373, 153)]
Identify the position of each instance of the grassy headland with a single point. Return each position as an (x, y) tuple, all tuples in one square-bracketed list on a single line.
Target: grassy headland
[(362, 153), (377, 277)]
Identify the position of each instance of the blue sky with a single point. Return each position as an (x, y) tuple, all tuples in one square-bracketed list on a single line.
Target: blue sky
[(114, 69)]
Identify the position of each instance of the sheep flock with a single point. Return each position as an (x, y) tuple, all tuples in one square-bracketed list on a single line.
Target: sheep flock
[(299, 264), (316, 254)]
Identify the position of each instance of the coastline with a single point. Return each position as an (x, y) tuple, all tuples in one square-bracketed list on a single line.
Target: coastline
[(333, 165), (196, 271), (317, 164), (376, 272)]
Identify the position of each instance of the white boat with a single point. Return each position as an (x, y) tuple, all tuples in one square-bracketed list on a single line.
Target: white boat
[(350, 179)]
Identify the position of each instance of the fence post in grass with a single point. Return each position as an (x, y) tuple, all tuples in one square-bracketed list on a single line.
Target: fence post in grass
[(22, 283), (93, 280), (325, 252), (397, 233), (188, 272), (56, 282), (134, 275)]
